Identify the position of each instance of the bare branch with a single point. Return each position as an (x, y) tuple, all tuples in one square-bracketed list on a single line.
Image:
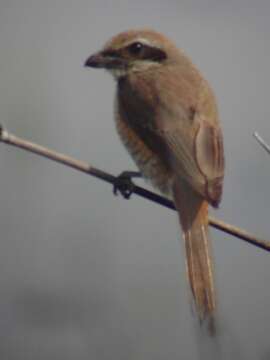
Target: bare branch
[(262, 142), (82, 166)]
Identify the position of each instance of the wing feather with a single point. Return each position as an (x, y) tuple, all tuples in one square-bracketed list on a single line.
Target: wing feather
[(196, 154)]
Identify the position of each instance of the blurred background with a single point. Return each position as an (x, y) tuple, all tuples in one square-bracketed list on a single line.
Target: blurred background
[(84, 274)]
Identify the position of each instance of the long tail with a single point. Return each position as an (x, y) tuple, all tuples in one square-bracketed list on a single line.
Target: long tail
[(193, 216)]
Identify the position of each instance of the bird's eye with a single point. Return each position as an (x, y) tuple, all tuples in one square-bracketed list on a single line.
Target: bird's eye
[(135, 48)]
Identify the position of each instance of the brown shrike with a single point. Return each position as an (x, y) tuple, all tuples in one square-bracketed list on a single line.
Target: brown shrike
[(167, 117)]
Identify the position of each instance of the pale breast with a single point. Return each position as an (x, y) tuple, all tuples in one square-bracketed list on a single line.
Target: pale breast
[(149, 164)]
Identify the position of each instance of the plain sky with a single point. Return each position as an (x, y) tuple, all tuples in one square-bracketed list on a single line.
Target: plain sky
[(86, 275)]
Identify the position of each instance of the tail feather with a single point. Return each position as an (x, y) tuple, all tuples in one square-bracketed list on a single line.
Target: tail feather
[(193, 216)]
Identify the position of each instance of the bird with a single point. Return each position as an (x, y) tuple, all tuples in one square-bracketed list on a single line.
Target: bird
[(167, 117)]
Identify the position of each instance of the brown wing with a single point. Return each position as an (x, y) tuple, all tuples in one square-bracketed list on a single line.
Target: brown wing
[(189, 142), (196, 154)]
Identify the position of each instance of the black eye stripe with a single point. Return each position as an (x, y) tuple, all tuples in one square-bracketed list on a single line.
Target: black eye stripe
[(145, 52), (111, 53), (155, 54), (135, 48)]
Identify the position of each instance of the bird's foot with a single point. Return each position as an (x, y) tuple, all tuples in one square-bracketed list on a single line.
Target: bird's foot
[(123, 183)]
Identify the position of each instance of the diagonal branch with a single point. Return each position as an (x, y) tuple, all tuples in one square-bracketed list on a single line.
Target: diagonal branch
[(262, 142), (84, 167)]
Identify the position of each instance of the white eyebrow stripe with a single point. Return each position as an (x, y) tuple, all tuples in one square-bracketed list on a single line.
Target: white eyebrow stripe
[(144, 41)]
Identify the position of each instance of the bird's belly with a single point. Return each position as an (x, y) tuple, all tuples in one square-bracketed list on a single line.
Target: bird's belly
[(150, 165)]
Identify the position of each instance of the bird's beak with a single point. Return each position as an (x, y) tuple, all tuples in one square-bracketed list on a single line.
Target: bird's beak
[(103, 60), (97, 60)]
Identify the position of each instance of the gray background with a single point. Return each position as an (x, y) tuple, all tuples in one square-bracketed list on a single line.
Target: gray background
[(85, 275)]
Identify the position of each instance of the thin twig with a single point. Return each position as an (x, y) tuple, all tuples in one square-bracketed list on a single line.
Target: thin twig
[(262, 142), (82, 166)]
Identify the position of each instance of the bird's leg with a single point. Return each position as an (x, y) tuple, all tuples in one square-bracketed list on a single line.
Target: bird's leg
[(123, 183)]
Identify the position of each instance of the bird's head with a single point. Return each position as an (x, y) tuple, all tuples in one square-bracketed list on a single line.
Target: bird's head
[(134, 51)]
